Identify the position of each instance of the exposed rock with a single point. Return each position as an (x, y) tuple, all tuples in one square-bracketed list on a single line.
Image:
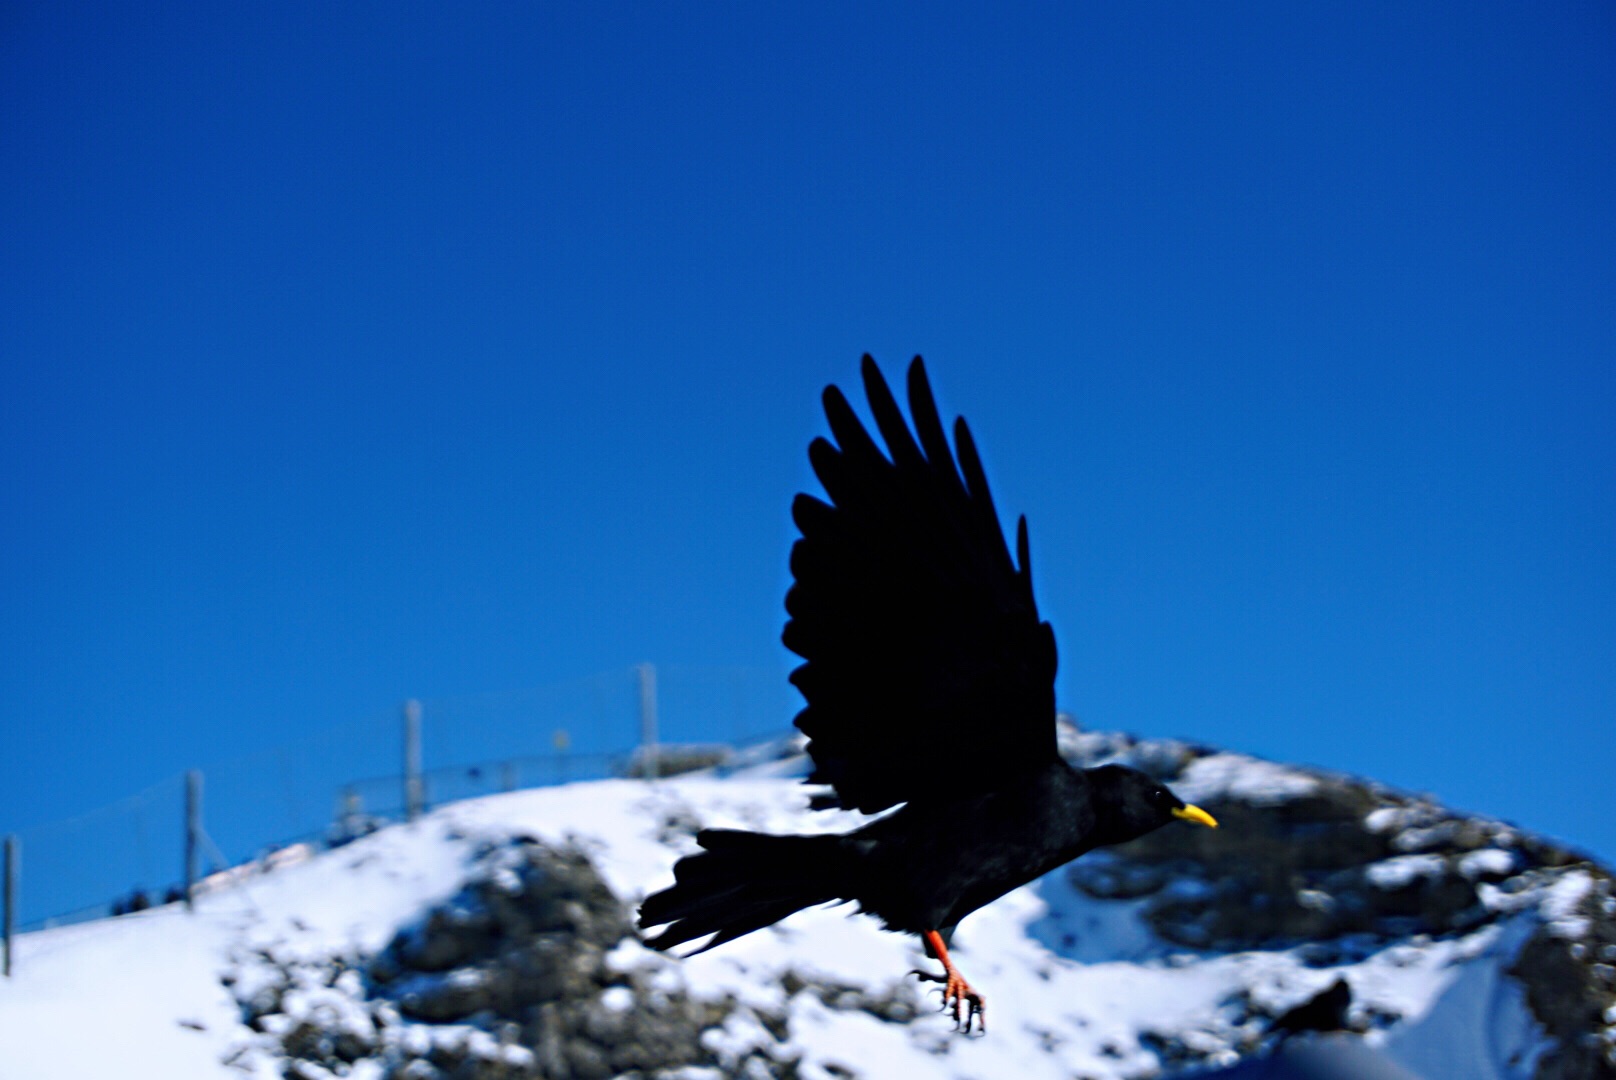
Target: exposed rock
[(1566, 988), (509, 978), (896, 1003), (672, 759), (532, 970), (1313, 859), (1338, 866), (1324, 1011)]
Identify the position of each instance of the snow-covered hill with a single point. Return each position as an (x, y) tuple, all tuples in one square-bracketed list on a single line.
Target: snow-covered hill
[(492, 939)]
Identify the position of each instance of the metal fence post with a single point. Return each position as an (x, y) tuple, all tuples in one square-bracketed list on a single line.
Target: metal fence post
[(10, 922), (562, 743), (414, 791), (648, 719), (193, 834)]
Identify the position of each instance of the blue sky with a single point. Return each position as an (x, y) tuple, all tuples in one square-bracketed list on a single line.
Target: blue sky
[(394, 350)]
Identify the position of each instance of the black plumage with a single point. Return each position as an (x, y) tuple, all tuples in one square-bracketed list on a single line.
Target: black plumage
[(929, 682)]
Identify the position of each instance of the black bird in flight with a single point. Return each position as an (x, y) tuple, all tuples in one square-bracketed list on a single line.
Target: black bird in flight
[(929, 682)]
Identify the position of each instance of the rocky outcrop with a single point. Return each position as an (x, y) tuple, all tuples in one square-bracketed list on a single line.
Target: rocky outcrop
[(513, 977), (1338, 867), (1568, 968), (532, 969)]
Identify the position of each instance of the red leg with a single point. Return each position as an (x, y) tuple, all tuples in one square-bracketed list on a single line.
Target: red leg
[(957, 993)]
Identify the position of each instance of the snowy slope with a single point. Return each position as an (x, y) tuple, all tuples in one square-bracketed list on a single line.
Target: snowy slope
[(1077, 985)]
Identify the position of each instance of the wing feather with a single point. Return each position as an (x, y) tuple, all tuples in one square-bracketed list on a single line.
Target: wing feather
[(925, 661)]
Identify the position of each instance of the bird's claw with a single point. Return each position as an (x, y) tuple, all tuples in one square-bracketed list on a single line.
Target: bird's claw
[(967, 1006)]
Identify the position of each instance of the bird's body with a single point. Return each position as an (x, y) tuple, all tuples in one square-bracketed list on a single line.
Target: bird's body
[(935, 861), (929, 681)]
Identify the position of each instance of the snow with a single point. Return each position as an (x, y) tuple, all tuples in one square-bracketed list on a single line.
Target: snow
[(1401, 871), (1075, 985), (150, 984), (617, 999), (1477, 1025), (1403, 817), (1226, 776), (1488, 862), (1560, 905)]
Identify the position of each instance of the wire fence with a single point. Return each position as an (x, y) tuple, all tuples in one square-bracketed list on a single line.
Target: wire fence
[(346, 779)]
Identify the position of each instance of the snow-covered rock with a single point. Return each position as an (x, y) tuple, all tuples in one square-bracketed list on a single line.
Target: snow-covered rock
[(493, 938)]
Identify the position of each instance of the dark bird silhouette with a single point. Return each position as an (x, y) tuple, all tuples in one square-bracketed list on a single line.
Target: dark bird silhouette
[(929, 682)]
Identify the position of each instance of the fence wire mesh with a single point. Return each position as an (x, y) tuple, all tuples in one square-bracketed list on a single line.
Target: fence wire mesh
[(343, 779)]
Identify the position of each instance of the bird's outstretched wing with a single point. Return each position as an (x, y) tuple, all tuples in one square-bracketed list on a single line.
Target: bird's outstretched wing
[(927, 669)]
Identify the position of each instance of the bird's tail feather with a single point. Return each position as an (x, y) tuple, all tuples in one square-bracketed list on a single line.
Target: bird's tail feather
[(740, 882)]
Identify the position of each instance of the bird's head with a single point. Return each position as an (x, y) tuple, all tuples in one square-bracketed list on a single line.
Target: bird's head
[(1130, 804)]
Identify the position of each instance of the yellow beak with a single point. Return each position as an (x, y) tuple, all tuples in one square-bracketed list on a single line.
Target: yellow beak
[(1197, 815)]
